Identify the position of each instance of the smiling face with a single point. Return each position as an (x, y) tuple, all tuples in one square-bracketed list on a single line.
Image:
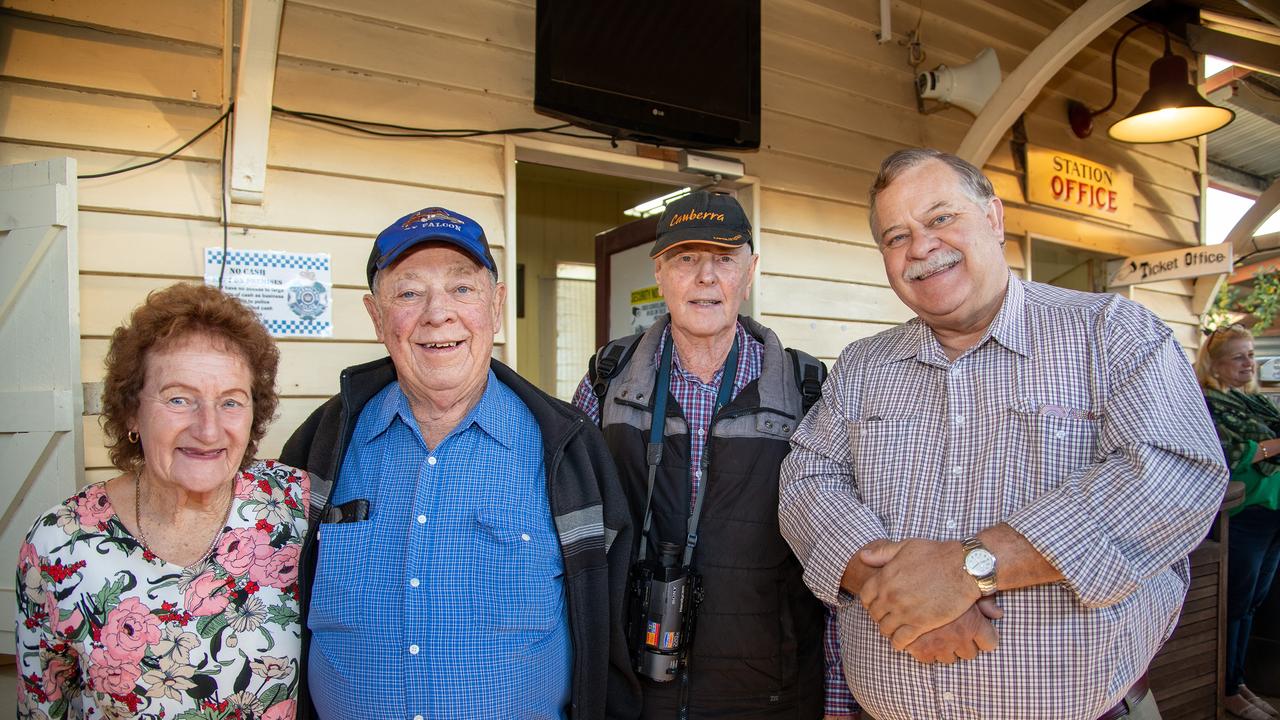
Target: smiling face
[(195, 414), (704, 286), (437, 311), (943, 251), (1234, 364)]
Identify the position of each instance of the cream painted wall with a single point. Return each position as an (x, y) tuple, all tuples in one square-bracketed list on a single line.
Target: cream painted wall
[(114, 83), (112, 87)]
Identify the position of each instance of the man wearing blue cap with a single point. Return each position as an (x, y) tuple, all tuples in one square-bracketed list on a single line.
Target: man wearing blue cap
[(469, 541)]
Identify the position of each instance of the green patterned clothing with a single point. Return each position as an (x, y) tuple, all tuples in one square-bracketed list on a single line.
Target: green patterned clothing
[(1243, 420)]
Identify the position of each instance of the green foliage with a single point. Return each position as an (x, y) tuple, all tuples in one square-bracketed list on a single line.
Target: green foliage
[(1262, 302)]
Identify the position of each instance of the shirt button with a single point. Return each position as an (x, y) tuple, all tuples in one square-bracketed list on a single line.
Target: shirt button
[(948, 696), (697, 474), (951, 524), (1060, 434), (413, 649), (524, 537), (414, 582), (431, 460), (700, 432), (957, 470), (417, 717), (422, 519), (959, 419)]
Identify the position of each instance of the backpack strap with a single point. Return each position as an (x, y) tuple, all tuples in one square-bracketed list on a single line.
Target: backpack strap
[(608, 362), (810, 373)]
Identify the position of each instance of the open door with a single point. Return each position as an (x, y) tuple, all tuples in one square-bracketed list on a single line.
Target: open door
[(627, 299)]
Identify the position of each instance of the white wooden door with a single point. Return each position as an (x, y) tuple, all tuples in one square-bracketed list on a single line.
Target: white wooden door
[(41, 401)]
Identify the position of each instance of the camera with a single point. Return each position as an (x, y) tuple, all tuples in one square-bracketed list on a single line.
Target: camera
[(665, 599)]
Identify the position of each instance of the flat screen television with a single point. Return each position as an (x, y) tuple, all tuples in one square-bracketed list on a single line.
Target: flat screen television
[(683, 73)]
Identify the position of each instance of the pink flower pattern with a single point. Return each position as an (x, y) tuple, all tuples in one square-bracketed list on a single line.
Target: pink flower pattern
[(129, 629), (275, 568), (236, 549), (107, 646), (93, 508)]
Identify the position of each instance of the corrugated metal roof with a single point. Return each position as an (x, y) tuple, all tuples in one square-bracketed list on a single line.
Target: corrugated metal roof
[(1250, 143)]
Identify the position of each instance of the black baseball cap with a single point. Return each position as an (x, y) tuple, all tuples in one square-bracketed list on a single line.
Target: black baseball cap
[(433, 224), (714, 218)]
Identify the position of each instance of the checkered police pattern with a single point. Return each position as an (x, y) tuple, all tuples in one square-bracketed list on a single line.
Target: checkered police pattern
[(270, 259), (302, 328)]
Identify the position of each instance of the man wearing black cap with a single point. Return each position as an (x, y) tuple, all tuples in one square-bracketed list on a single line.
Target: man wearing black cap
[(468, 546), (699, 462)]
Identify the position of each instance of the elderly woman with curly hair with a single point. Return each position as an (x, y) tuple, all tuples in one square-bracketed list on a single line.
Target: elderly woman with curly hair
[(171, 588), (1248, 425)]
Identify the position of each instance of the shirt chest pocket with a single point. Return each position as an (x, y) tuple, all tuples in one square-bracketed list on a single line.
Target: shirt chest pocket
[(336, 600), (1044, 443), (888, 469), (517, 575)]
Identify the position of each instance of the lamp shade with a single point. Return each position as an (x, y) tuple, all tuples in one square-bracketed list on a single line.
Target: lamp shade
[(1171, 109)]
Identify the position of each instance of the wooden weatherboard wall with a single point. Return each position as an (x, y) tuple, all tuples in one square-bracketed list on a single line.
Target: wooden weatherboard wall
[(114, 83)]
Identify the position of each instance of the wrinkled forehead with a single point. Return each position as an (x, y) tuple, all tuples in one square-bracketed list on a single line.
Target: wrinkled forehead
[(695, 246), (433, 259)]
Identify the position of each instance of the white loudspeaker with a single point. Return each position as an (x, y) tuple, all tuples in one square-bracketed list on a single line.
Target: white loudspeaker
[(968, 86)]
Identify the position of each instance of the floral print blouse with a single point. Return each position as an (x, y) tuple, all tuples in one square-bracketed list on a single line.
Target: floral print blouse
[(106, 629)]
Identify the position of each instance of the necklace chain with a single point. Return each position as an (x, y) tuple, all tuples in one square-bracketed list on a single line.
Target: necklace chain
[(142, 535)]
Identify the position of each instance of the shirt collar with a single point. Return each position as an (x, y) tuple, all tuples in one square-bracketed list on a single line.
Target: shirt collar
[(740, 334), (1009, 329), (488, 414)]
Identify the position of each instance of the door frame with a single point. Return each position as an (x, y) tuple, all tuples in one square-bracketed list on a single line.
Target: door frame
[(606, 162), (604, 276)]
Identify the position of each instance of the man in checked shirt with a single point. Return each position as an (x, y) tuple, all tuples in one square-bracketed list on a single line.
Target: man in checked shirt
[(1045, 447), (733, 403)]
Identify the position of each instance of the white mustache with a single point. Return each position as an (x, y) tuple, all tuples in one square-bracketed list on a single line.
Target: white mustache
[(940, 260)]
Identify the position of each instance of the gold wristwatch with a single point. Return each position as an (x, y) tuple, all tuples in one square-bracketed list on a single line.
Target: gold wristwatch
[(980, 564)]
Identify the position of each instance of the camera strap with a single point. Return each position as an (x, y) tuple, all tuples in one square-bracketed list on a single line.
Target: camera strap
[(657, 427)]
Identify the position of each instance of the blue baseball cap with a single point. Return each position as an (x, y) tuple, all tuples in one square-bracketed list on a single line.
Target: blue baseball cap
[(433, 224)]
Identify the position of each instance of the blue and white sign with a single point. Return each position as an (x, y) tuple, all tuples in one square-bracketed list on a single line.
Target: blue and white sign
[(291, 292)]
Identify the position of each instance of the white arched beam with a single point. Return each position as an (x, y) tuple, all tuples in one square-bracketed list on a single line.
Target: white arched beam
[(1024, 83), (1241, 236), (1242, 243)]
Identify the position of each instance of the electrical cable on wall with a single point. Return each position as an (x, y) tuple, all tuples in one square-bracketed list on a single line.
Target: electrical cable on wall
[(162, 158), (226, 210), (367, 127), (370, 127)]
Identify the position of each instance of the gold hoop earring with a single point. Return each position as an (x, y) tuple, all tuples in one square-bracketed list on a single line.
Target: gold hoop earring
[(133, 437)]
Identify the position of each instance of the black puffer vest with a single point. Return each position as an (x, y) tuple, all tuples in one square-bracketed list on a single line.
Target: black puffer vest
[(757, 652)]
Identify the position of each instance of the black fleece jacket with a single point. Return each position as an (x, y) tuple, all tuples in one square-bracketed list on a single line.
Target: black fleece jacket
[(590, 512)]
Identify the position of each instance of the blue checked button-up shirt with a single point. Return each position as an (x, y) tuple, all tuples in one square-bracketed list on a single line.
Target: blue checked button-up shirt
[(449, 601)]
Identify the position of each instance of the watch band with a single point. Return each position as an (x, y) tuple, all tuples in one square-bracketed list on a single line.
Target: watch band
[(986, 582)]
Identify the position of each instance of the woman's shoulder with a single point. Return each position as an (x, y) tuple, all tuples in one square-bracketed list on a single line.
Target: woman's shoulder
[(275, 491), (88, 511), (277, 471)]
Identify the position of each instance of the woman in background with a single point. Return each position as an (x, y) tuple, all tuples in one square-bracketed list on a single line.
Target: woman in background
[(171, 588), (1248, 425)]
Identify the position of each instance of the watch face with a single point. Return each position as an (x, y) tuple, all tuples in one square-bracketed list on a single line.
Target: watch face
[(979, 562)]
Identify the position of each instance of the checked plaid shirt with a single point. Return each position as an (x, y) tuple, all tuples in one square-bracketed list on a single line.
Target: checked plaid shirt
[(1078, 422), (697, 402), (697, 399), (449, 600)]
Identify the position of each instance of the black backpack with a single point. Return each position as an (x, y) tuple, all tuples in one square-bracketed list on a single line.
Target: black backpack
[(810, 372)]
